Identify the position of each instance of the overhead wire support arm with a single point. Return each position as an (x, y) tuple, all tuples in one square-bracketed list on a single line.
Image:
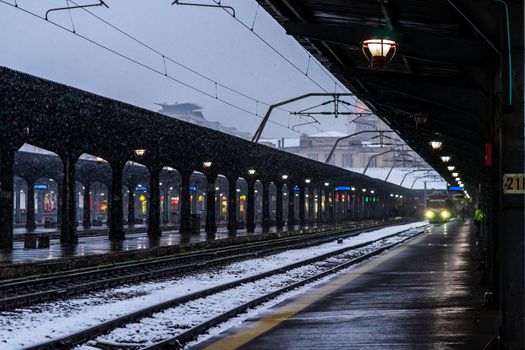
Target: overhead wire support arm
[(218, 5), (347, 137), (435, 178), (315, 121), (258, 133), (377, 155), (101, 3)]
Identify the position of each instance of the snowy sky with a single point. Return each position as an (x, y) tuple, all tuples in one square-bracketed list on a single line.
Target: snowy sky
[(208, 40)]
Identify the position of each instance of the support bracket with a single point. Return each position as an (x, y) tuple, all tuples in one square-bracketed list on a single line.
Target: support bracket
[(101, 3), (227, 8), (260, 129)]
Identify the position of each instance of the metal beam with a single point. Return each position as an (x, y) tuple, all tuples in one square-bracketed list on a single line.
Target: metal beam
[(260, 129)]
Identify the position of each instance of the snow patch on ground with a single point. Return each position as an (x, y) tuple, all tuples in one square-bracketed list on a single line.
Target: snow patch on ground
[(33, 325)]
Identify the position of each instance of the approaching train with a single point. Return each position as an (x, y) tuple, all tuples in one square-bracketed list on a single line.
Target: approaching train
[(439, 208)]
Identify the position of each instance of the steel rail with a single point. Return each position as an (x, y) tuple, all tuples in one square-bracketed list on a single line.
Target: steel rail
[(22, 292), (178, 341), (105, 327)]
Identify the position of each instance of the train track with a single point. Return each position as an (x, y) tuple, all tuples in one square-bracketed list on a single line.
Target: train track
[(328, 263), (29, 290)]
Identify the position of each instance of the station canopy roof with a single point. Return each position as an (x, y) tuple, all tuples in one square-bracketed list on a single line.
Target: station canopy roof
[(440, 76)]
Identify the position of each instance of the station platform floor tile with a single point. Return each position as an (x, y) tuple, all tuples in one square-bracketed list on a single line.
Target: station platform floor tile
[(422, 294)]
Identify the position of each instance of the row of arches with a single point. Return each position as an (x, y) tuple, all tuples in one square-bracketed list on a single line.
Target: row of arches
[(93, 192)]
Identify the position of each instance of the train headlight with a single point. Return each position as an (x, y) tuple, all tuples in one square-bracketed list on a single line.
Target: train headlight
[(445, 214), (429, 214)]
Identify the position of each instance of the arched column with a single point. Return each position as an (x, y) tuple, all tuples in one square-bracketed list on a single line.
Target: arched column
[(30, 205), (131, 204), (291, 205), (67, 205), (311, 201), (266, 206), (327, 205), (7, 160), (60, 199), (86, 222), (154, 201), (250, 206), (211, 220), (116, 215), (302, 205), (232, 203), (185, 205), (319, 217), (279, 204)]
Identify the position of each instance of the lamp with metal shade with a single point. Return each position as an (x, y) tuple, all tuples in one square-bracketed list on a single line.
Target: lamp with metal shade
[(436, 145), (380, 48), (140, 152)]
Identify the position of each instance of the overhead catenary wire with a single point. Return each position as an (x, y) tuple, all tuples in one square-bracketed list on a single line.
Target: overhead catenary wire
[(70, 17), (141, 64), (286, 59), (184, 66)]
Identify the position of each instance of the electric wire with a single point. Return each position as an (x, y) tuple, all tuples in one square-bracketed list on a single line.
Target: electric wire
[(165, 57), (141, 64), (296, 67)]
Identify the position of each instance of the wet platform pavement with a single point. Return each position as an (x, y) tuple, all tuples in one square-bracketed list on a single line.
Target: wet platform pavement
[(420, 295), (96, 242)]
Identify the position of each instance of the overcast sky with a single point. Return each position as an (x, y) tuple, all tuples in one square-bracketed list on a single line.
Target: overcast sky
[(208, 40)]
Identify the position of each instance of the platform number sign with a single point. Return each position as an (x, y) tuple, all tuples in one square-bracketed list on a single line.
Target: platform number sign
[(514, 183)]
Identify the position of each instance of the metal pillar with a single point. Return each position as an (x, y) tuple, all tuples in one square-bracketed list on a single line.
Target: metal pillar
[(86, 222), (232, 204), (154, 202), (116, 229), (30, 205), (291, 206), (250, 207), (185, 205), (7, 161), (211, 221), (278, 204), (67, 205)]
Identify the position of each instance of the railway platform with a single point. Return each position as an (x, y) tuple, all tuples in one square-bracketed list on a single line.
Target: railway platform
[(93, 243), (424, 294), (96, 242)]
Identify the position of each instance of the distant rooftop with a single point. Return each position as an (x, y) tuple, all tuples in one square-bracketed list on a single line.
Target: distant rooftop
[(192, 113), (329, 134)]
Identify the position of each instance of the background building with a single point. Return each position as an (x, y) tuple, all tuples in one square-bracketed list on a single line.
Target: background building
[(192, 113)]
